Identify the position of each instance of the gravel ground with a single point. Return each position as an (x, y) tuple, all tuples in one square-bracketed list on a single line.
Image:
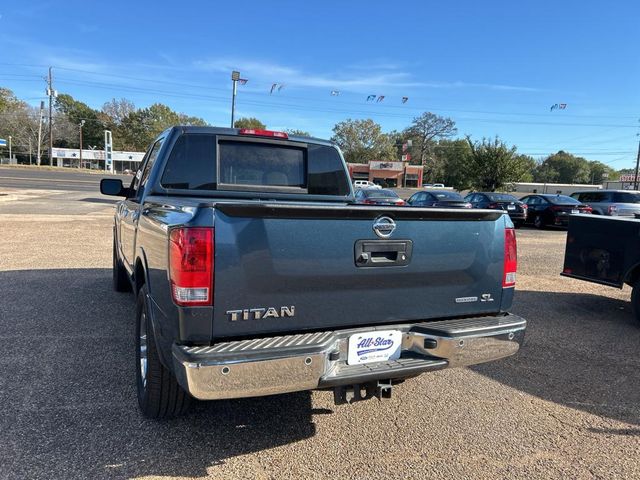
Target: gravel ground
[(566, 406)]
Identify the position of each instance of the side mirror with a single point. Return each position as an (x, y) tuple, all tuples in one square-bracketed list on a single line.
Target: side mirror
[(113, 186)]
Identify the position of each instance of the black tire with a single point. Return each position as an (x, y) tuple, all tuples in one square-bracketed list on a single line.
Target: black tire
[(635, 301), (517, 225), (159, 394), (538, 221), (120, 278)]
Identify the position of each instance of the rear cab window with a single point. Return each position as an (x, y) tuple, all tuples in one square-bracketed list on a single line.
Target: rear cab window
[(200, 161)]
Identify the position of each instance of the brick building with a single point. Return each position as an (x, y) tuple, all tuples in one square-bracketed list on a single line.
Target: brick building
[(387, 174)]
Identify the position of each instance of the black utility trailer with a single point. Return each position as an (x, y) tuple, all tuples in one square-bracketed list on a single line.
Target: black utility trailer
[(605, 250)]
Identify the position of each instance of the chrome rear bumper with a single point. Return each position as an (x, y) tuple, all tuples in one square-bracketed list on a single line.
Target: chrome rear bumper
[(267, 366)]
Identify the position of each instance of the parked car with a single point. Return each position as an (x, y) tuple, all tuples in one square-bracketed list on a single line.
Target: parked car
[(255, 274), (549, 209), (438, 198), (516, 209), (610, 202), (365, 184), (605, 250), (384, 196), (433, 185)]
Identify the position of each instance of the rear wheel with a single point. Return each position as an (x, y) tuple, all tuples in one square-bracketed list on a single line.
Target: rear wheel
[(159, 394), (635, 301), (120, 278)]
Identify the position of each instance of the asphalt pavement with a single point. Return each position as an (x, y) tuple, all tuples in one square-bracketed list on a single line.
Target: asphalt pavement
[(566, 406)]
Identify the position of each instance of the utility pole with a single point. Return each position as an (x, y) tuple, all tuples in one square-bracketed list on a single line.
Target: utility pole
[(81, 124), (40, 130), (51, 94), (235, 76), (9, 149), (635, 179), (30, 150)]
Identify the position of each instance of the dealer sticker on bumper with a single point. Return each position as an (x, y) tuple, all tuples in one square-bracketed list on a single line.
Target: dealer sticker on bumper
[(377, 346)]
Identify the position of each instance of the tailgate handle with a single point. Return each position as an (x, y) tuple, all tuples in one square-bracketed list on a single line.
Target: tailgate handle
[(383, 253)]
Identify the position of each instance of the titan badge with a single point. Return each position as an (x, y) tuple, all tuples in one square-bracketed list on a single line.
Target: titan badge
[(261, 313)]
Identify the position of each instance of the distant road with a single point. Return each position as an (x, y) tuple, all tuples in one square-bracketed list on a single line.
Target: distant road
[(73, 181)]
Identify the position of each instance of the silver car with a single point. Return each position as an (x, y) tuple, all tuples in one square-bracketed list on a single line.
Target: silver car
[(611, 202)]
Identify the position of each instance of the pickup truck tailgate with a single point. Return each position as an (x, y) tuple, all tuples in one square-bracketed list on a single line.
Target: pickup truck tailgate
[(302, 267)]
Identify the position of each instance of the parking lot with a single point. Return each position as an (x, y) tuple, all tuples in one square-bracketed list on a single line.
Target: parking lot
[(566, 406)]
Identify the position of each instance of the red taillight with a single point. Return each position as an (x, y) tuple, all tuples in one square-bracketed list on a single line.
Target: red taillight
[(510, 258), (494, 205), (400, 202), (524, 206), (370, 202), (191, 266), (263, 133), (556, 208), (468, 205)]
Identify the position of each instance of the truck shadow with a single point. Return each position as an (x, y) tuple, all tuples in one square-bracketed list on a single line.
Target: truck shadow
[(580, 351), (67, 390)]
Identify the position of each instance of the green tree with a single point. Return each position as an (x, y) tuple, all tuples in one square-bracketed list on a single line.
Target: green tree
[(424, 131), (494, 164), (362, 141), (140, 127), (600, 172), (250, 122), (454, 157), (562, 167), (77, 112)]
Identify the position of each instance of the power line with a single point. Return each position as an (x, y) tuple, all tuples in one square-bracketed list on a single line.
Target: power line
[(328, 110), (263, 84), (208, 88), (342, 102)]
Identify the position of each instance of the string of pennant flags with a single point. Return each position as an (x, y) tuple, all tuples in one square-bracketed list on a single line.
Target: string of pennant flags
[(277, 87), (373, 98)]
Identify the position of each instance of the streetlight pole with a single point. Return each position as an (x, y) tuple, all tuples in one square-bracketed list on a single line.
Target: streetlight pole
[(81, 124), (9, 149), (235, 76), (635, 179)]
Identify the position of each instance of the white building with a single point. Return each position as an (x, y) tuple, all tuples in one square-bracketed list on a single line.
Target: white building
[(554, 188), (94, 159)]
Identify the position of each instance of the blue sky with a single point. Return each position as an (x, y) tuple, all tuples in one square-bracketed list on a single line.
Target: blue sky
[(495, 67)]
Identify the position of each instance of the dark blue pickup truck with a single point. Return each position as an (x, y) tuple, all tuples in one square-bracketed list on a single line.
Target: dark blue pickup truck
[(256, 273)]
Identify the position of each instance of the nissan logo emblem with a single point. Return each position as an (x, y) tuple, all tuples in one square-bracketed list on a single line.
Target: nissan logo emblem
[(384, 227)]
